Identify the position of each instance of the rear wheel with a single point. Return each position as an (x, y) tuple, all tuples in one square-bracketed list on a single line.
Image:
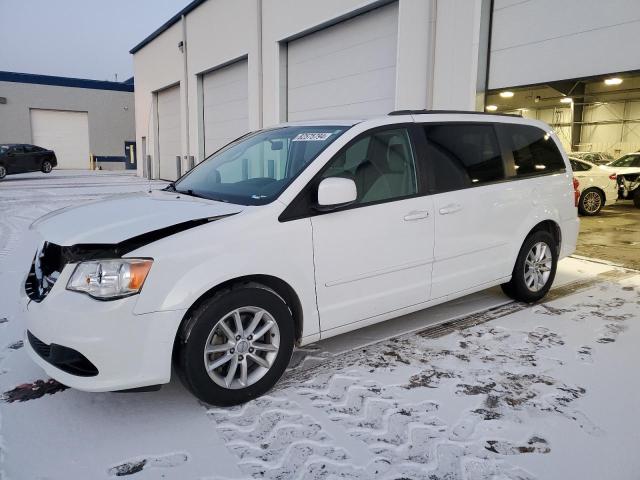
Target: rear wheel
[(591, 202), (535, 268), (46, 166), (235, 346), (3, 172)]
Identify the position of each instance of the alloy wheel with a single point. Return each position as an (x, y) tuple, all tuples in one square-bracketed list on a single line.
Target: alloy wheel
[(3, 172), (46, 167), (537, 268), (241, 347), (592, 202)]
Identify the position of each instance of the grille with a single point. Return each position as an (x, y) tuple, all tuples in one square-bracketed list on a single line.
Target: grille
[(45, 269)]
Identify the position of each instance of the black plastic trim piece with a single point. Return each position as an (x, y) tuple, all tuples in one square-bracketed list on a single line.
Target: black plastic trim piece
[(66, 359)]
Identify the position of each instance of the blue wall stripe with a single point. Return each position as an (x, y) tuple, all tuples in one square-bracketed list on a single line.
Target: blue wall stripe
[(64, 81)]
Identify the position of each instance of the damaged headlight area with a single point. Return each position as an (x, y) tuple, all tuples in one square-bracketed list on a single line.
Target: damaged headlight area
[(110, 279)]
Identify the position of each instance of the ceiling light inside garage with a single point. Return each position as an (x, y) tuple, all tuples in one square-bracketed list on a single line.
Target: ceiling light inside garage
[(566, 100), (613, 81), (491, 108), (506, 94)]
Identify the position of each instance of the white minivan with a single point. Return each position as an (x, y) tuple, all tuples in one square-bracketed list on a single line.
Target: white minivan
[(290, 235)]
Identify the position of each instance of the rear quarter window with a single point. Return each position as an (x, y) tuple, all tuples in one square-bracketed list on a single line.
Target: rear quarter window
[(534, 151), (462, 155)]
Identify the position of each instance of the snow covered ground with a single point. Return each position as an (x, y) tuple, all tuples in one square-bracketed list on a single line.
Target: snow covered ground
[(479, 388)]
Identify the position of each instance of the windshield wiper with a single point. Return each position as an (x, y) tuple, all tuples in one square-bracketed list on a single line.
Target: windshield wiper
[(170, 188), (191, 193)]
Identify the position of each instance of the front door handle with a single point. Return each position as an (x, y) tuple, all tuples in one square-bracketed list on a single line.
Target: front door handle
[(451, 208), (416, 215)]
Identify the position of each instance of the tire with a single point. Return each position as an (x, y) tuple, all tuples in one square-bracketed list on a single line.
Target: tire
[(46, 167), (520, 288), (636, 199), (591, 202), (3, 172), (204, 329)]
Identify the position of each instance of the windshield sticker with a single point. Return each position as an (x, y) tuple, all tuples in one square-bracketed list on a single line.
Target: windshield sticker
[(311, 137)]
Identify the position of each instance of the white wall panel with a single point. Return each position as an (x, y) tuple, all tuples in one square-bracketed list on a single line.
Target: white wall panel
[(346, 70), (618, 136), (66, 133), (225, 105), (544, 40)]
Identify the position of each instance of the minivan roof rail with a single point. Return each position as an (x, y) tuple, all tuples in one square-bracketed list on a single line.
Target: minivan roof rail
[(472, 112)]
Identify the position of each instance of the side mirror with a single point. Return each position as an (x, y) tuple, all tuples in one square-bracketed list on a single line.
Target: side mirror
[(336, 192)]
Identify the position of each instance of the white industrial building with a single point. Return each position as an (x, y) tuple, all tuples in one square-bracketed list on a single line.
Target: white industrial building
[(221, 68), (82, 120)]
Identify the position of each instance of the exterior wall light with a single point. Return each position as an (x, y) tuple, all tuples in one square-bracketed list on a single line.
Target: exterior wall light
[(613, 81)]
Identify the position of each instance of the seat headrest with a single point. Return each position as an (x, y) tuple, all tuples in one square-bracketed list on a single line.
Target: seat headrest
[(396, 158)]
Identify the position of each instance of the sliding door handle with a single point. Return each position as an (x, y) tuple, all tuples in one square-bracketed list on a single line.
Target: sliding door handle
[(452, 208)]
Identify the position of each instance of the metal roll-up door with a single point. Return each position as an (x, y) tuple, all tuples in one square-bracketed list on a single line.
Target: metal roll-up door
[(347, 70), (64, 132), (169, 145), (225, 101)]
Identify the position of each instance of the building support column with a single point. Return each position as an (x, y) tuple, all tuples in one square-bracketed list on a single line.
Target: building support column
[(577, 109)]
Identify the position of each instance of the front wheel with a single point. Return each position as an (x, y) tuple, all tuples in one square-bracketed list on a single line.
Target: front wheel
[(535, 268), (591, 202), (46, 166), (3, 172), (235, 346)]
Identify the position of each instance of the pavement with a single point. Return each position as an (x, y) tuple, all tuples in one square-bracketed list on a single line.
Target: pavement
[(478, 388), (613, 235)]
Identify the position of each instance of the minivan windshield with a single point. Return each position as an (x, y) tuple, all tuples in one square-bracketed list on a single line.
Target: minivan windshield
[(255, 169), (626, 161)]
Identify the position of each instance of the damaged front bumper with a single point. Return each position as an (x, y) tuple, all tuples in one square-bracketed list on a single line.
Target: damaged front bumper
[(628, 185), (127, 350)]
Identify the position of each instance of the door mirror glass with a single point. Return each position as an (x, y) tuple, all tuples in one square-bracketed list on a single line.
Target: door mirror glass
[(336, 191)]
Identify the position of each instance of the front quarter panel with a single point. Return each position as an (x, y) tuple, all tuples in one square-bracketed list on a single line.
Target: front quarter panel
[(189, 264)]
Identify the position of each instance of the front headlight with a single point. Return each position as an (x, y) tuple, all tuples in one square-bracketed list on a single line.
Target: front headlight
[(110, 279)]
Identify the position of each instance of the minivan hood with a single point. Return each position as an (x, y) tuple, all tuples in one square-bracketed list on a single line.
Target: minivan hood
[(114, 220)]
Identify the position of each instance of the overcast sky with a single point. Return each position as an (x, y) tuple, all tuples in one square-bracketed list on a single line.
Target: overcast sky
[(78, 38)]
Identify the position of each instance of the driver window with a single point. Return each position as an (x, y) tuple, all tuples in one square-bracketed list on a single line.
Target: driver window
[(381, 164)]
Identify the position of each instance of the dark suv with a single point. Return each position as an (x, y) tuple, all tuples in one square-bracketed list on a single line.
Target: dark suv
[(21, 158)]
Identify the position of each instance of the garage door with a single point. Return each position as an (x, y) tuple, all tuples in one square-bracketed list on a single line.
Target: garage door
[(169, 131), (346, 70), (226, 105), (66, 133)]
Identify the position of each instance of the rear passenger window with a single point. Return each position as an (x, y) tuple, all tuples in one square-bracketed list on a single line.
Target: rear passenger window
[(462, 155), (534, 151), (577, 166)]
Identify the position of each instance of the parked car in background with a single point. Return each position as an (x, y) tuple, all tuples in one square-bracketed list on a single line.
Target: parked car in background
[(598, 186), (597, 158), (292, 234), (21, 158), (627, 169)]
